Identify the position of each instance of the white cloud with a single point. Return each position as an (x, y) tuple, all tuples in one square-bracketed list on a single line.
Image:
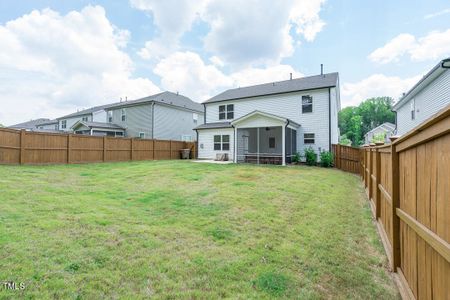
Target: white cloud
[(375, 85), (435, 45), (243, 33), (187, 73), (55, 64), (437, 14)]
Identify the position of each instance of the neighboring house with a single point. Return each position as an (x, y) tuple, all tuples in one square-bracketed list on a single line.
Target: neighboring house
[(93, 114), (427, 97), (98, 129), (164, 116), (30, 125), (269, 123), (386, 129), (50, 125)]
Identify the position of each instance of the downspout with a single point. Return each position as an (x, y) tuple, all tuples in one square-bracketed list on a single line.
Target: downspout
[(204, 113), (234, 145), (329, 119), (153, 120), (285, 130), (395, 113)]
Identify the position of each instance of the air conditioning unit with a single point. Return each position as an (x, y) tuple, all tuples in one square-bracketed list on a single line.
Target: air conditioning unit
[(222, 156)]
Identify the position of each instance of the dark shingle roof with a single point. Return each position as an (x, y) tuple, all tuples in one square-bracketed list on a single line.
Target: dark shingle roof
[(167, 98), (87, 111), (30, 124), (99, 125), (299, 84), (214, 125)]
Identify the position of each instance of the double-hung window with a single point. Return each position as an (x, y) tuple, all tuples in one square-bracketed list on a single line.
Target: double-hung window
[(124, 115), (226, 112), (110, 116), (85, 119), (307, 104), (63, 124), (308, 138), (222, 142), (413, 109)]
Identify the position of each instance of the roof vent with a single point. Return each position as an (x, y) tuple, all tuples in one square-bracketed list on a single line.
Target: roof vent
[(126, 98), (321, 69), (290, 76), (177, 93), (273, 83)]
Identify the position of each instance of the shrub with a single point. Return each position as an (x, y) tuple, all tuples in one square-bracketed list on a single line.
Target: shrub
[(296, 158), (310, 156), (326, 159)]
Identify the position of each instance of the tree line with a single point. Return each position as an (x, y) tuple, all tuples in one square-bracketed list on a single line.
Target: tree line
[(356, 121)]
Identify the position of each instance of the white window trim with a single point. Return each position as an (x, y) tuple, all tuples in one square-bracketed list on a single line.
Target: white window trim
[(312, 104), (222, 142), (123, 116), (313, 138), (143, 135), (226, 111)]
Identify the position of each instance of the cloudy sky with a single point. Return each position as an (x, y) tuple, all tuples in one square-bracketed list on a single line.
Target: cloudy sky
[(60, 56)]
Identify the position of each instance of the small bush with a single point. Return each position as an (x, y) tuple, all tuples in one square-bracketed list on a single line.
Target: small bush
[(310, 156), (326, 159), (296, 158)]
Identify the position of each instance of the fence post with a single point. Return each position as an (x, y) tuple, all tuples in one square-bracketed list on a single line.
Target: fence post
[(369, 181), (153, 149), (395, 204), (131, 149), (22, 146), (104, 148), (377, 182), (69, 137)]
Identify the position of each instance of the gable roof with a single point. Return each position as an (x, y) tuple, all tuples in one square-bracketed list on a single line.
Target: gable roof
[(268, 115), (87, 111), (387, 126), (279, 87), (166, 97), (30, 124), (434, 73), (97, 125)]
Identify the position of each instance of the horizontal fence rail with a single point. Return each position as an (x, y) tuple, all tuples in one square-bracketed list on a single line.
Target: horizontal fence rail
[(25, 147), (347, 158), (408, 187)]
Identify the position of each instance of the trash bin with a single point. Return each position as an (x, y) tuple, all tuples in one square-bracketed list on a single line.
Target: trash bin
[(185, 153)]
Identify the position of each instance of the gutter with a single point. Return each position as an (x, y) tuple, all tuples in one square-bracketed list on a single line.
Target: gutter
[(153, 120)]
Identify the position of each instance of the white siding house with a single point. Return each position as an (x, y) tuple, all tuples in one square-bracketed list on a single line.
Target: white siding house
[(291, 115), (427, 97)]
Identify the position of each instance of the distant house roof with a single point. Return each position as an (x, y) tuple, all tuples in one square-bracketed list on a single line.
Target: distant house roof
[(438, 69), (387, 126), (87, 111), (97, 125), (168, 98), (279, 87), (30, 124), (214, 125), (49, 122)]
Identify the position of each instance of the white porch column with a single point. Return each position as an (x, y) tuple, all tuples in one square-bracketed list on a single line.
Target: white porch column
[(283, 144), (235, 145)]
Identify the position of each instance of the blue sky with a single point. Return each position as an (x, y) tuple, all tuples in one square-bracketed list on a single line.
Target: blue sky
[(59, 56)]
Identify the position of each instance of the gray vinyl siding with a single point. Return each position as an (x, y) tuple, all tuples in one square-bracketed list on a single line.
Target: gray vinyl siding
[(71, 121), (172, 123), (428, 101), (138, 119)]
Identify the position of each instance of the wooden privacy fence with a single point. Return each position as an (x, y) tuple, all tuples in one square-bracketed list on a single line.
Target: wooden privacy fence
[(24, 147), (347, 158), (408, 185)]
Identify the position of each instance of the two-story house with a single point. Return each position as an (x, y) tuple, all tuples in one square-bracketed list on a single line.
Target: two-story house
[(426, 98), (93, 114), (269, 123), (166, 116)]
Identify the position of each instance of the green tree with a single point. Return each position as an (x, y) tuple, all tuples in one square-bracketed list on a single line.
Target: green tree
[(354, 122)]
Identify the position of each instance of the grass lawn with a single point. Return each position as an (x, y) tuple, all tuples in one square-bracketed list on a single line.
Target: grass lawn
[(174, 229)]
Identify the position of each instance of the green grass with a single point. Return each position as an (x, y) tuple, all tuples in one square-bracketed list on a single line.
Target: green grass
[(173, 229)]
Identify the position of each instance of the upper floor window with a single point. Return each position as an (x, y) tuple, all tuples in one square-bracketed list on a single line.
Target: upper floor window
[(307, 104), (142, 135), (110, 116), (124, 115), (308, 138), (226, 112), (63, 124), (195, 118), (85, 119), (222, 142), (413, 109)]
